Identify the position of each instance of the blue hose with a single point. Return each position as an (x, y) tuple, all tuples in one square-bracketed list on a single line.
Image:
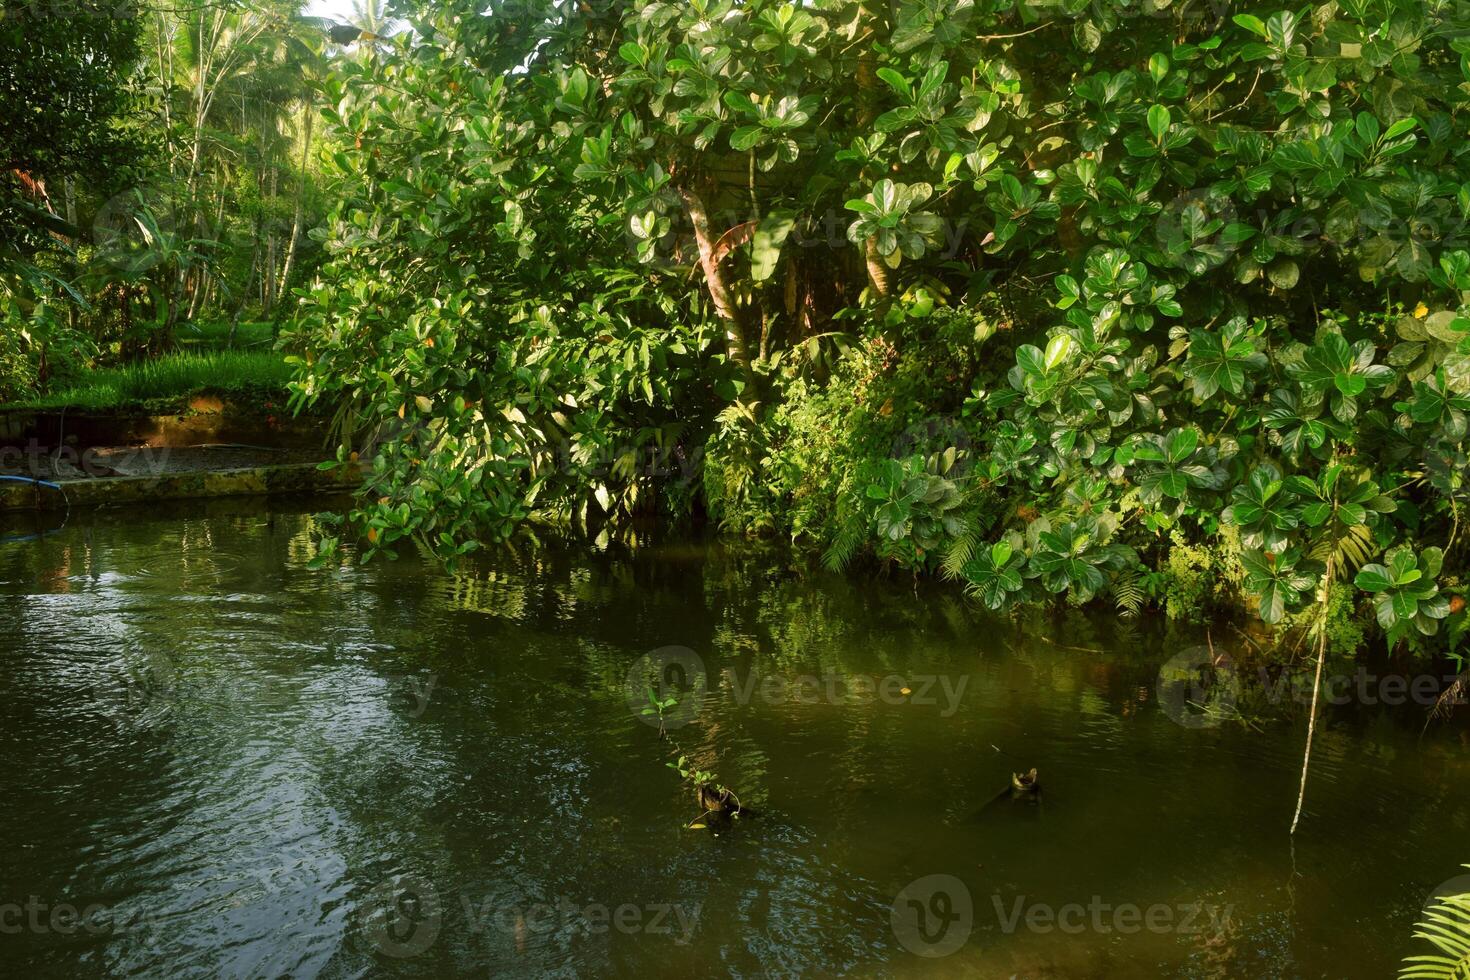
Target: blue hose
[(40, 483), (27, 479)]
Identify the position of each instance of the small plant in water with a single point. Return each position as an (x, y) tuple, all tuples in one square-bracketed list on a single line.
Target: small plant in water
[(658, 707), (714, 797)]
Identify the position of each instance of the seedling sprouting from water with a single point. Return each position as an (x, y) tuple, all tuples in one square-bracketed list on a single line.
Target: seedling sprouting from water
[(659, 706), (714, 797)]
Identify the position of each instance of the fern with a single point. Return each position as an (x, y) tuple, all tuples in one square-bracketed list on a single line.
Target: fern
[(1446, 925), (1127, 591), (960, 550), (845, 544), (1451, 696)]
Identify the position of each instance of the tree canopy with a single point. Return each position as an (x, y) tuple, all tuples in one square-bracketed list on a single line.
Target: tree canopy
[(1036, 294)]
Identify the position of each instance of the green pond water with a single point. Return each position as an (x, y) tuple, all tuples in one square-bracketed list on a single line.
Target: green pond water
[(218, 762)]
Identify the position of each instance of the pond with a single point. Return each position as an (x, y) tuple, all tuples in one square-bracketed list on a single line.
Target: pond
[(221, 762)]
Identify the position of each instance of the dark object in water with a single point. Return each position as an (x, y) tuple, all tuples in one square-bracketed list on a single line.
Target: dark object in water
[(719, 800), (1022, 795), (1025, 782)]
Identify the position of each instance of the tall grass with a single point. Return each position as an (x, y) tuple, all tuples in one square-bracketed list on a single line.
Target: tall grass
[(170, 376)]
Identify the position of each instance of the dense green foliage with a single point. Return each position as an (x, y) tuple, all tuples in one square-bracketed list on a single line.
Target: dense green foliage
[(63, 86), (65, 93), (1035, 295), (158, 172)]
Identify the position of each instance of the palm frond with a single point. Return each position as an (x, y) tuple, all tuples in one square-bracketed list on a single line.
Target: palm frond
[(1349, 548), (1449, 698)]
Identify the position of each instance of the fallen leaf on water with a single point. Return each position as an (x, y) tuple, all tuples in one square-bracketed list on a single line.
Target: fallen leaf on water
[(697, 826), (905, 691)]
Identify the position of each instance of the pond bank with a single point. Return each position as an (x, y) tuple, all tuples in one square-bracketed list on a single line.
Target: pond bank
[(207, 446), (187, 485)]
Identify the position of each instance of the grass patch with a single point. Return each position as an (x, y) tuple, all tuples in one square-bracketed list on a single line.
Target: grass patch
[(216, 333), (171, 377)]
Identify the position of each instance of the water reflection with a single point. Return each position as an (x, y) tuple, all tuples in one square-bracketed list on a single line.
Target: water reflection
[(247, 768)]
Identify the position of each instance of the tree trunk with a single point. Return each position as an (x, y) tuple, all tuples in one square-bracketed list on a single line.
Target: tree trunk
[(718, 290), (268, 281), (296, 218), (867, 88)]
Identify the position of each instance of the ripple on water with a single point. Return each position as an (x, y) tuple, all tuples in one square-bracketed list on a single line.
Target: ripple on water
[(235, 755)]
